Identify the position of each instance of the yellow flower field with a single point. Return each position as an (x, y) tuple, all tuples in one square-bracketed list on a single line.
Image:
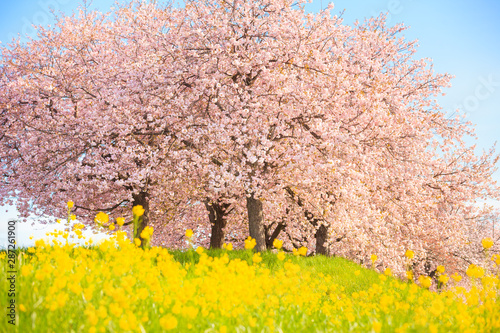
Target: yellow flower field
[(119, 287)]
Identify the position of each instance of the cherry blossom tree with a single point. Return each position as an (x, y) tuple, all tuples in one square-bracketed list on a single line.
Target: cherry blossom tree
[(82, 118), (242, 117), (341, 120)]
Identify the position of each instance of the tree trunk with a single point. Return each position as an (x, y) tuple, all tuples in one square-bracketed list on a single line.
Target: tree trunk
[(270, 237), (217, 213), (321, 240), (256, 222), (142, 198)]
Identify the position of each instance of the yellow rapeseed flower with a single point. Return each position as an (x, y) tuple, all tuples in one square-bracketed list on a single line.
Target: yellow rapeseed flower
[(440, 269), (377, 327), (256, 258), (444, 279), (137, 242), (26, 270), (73, 217), (409, 275), (147, 232), (22, 308), (111, 227), (138, 210), (199, 250), (496, 259), (278, 244), (168, 322), (101, 218), (120, 221), (302, 251), (388, 271), (373, 258), (425, 281), (475, 271), (250, 243), (281, 255), (228, 246), (189, 233), (487, 243), (455, 276), (70, 204), (409, 254)]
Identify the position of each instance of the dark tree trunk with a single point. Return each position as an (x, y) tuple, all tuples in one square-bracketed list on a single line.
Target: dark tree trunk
[(321, 240), (321, 234), (142, 198), (270, 237), (256, 222), (217, 213)]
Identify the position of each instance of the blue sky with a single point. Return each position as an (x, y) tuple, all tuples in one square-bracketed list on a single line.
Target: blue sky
[(462, 38)]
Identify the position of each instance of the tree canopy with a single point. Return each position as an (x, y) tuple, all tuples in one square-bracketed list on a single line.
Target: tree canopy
[(237, 118)]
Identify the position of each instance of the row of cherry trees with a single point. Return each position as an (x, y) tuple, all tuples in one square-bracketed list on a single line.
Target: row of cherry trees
[(241, 117)]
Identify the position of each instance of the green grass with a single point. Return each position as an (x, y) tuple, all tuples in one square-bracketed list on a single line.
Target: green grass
[(341, 269)]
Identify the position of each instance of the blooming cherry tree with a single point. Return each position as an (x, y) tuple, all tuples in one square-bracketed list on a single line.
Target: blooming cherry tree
[(242, 117)]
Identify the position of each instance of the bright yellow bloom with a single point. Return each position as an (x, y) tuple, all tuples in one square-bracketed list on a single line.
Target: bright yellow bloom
[(120, 221), (189, 233), (250, 243), (456, 277), (194, 296), (474, 271), (256, 258), (425, 281), (302, 251), (137, 242), (487, 243), (228, 246), (147, 232), (25, 269), (168, 322), (101, 218), (409, 254), (111, 227), (496, 259), (199, 250), (373, 258), (278, 244), (440, 269), (73, 217), (409, 275), (22, 308), (444, 279), (70, 204), (138, 210)]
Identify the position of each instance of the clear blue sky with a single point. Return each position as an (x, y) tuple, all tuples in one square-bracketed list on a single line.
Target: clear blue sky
[(462, 37)]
